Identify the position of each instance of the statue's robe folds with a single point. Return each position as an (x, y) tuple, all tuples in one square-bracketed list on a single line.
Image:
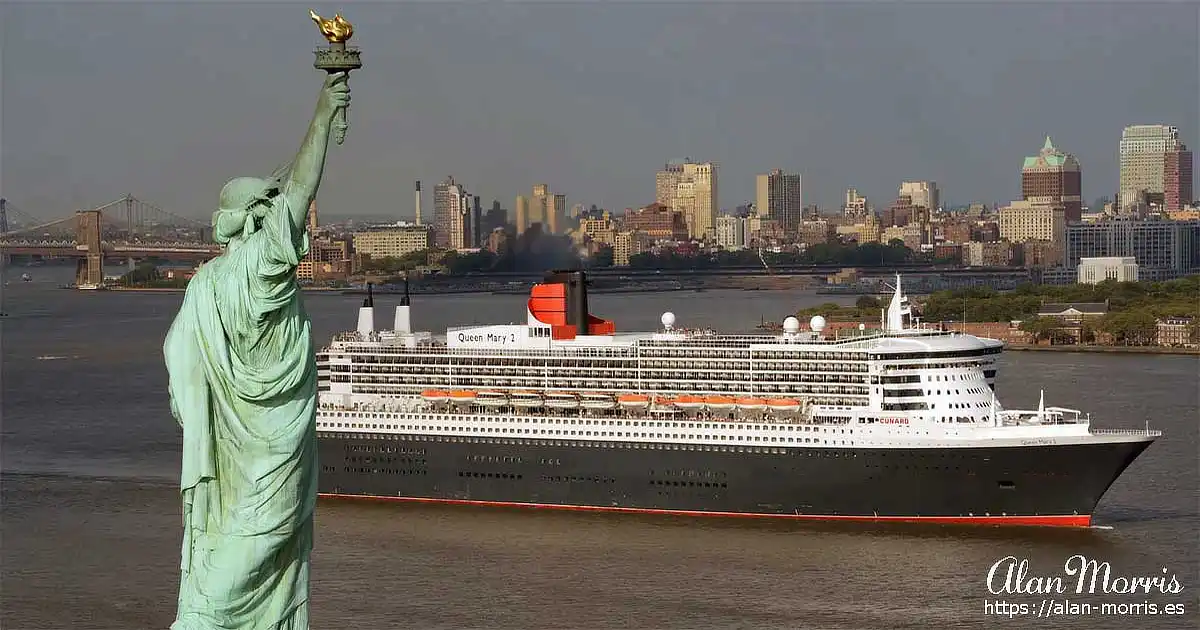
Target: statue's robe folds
[(243, 387)]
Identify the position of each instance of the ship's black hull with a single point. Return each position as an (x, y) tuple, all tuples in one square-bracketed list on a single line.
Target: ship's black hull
[(1045, 485)]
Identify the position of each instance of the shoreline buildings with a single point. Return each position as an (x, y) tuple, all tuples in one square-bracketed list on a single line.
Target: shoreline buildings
[(1155, 165), (778, 196), (691, 188), (1053, 178)]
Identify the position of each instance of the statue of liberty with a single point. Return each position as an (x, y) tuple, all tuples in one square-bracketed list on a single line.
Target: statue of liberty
[(243, 387)]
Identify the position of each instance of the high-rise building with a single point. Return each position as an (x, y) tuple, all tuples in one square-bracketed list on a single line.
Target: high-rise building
[(548, 208), (900, 213), (451, 215), (312, 217), (522, 211), (856, 205), (1177, 179), (695, 195), (1053, 177), (666, 182), (1143, 154), (778, 196), (924, 194), (1032, 221), (476, 222), (496, 217)]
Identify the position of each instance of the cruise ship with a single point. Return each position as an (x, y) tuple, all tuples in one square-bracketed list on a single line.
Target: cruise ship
[(563, 411)]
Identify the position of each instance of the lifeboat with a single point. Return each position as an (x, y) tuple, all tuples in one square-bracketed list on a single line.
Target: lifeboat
[(633, 401), (462, 397), (435, 395), (491, 399), (525, 399), (689, 402), (783, 405), (597, 401), (719, 403), (751, 404), (561, 400)]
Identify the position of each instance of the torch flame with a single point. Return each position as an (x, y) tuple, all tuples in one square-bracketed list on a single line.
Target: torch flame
[(336, 31)]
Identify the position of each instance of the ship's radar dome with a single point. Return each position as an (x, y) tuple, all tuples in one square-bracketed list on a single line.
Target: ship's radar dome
[(791, 325), (817, 323), (668, 319)]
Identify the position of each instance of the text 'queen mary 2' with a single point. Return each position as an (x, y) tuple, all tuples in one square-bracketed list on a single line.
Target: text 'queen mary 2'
[(562, 411)]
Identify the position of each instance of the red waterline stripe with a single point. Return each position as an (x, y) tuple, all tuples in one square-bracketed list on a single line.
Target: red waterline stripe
[(1072, 520)]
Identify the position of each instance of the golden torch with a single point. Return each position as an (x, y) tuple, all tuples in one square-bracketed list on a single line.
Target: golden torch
[(336, 58)]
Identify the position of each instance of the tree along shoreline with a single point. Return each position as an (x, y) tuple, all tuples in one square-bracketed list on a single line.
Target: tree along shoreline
[(1132, 311)]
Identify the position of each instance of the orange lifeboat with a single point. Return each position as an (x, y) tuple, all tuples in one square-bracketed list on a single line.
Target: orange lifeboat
[(435, 395), (783, 405), (751, 404), (719, 403), (688, 401), (633, 401), (462, 397)]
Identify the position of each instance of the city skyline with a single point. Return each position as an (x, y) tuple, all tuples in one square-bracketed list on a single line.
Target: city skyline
[(93, 116)]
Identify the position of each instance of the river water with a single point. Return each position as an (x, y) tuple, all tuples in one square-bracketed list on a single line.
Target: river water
[(91, 516)]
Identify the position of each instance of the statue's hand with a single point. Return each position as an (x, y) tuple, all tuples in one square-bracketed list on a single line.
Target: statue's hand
[(336, 93)]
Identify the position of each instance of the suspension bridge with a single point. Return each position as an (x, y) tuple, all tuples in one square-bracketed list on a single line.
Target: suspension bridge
[(125, 229)]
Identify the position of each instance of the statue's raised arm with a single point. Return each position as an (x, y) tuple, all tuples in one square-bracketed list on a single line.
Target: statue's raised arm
[(300, 186)]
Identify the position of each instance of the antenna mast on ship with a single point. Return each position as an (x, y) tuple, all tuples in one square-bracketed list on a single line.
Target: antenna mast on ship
[(897, 310)]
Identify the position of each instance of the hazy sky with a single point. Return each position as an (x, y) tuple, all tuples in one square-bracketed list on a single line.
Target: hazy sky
[(167, 100)]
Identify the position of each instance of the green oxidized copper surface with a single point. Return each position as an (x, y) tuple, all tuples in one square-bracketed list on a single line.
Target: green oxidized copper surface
[(242, 382), (1049, 156)]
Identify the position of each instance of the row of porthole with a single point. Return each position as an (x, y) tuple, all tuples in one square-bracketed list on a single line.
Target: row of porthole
[(689, 484), (612, 444), (488, 475), (634, 434), (386, 471), (367, 459)]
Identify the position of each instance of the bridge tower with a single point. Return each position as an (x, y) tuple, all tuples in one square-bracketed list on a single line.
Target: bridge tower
[(3, 215), (90, 271)]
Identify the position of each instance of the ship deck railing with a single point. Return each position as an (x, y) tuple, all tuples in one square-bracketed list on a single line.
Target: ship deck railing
[(1147, 432), (698, 338)]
